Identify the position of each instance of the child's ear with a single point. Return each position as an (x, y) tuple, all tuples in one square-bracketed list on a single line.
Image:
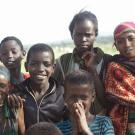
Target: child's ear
[(54, 65), (26, 66), (115, 46), (93, 95), (23, 53)]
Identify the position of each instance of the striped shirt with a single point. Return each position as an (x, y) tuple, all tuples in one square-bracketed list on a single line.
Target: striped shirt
[(101, 125)]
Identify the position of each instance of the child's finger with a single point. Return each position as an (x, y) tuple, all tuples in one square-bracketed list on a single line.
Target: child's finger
[(11, 100), (15, 101)]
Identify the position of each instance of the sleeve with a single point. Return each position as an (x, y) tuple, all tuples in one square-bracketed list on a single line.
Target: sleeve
[(107, 127)]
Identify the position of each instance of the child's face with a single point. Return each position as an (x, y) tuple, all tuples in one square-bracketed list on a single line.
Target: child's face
[(126, 44), (11, 54), (84, 35), (4, 87), (40, 67), (79, 94)]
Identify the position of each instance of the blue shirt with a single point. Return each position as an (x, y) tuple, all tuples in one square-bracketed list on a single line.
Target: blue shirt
[(101, 125)]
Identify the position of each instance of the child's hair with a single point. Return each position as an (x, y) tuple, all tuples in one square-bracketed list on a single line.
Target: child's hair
[(5, 72), (43, 128), (81, 16), (12, 38), (40, 47), (79, 77)]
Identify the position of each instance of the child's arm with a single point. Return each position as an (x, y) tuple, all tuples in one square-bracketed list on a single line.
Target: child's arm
[(89, 60), (20, 120)]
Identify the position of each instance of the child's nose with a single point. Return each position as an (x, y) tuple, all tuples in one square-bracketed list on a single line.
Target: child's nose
[(10, 55), (77, 99)]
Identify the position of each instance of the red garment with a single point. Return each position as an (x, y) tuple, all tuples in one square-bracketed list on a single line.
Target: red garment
[(120, 91), (122, 28)]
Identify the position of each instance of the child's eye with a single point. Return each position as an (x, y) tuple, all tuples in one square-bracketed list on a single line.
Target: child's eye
[(131, 38), (14, 52), (47, 64), (2, 85), (84, 97)]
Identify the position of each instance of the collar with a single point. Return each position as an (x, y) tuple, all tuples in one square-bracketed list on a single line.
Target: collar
[(99, 55)]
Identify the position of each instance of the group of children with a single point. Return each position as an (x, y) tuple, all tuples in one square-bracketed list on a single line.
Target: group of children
[(39, 98), (65, 97)]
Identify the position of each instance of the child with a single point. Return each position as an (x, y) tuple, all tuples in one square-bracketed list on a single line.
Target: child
[(79, 94), (120, 80), (84, 30), (11, 121), (43, 128), (11, 55), (43, 97)]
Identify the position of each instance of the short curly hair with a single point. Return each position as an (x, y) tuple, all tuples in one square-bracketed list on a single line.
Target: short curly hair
[(81, 16), (43, 128), (18, 41)]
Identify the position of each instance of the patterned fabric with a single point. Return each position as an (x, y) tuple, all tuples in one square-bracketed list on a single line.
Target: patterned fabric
[(101, 125), (128, 63), (122, 28), (9, 127), (120, 90)]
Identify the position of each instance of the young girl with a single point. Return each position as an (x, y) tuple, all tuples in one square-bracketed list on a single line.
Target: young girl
[(79, 95), (11, 120), (84, 30), (11, 55), (120, 80)]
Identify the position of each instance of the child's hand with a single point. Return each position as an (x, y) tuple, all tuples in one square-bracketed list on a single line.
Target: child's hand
[(15, 101), (81, 119), (89, 60)]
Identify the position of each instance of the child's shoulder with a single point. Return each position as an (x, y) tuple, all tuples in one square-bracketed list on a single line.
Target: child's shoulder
[(102, 124), (102, 120)]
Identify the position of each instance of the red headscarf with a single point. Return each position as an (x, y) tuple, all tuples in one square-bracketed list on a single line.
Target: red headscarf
[(122, 28)]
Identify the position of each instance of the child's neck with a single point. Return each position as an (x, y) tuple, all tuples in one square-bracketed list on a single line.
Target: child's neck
[(15, 73), (40, 89)]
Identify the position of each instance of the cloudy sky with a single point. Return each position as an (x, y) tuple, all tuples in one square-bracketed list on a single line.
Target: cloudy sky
[(45, 21)]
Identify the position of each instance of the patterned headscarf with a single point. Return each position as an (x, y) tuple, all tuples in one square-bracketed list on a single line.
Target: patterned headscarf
[(5, 72), (122, 28)]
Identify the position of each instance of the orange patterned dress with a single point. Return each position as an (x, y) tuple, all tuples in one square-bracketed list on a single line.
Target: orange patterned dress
[(120, 92)]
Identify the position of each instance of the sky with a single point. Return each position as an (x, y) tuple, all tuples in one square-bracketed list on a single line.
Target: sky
[(34, 21)]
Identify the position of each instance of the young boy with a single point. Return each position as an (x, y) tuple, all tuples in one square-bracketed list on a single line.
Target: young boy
[(43, 128), (11, 55), (43, 97), (79, 95), (11, 121)]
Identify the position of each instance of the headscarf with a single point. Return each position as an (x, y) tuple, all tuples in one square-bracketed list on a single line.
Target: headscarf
[(5, 72), (122, 28)]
